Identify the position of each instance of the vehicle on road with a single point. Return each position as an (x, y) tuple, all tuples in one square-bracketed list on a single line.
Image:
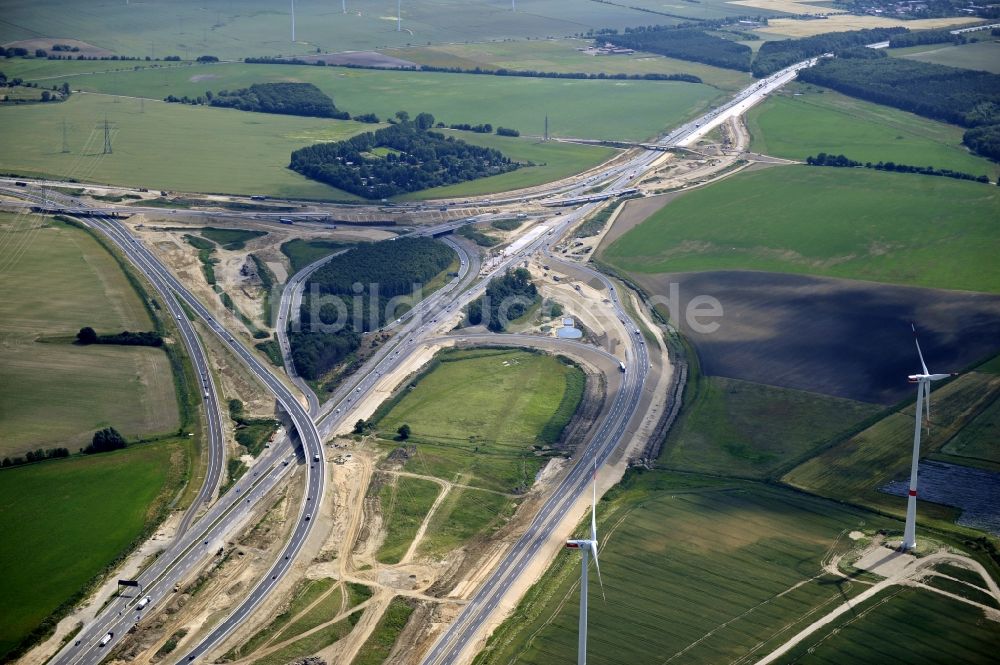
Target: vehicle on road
[(104, 640), (143, 603)]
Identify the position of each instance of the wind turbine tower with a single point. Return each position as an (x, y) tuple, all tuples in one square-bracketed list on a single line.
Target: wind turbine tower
[(923, 382), (399, 15), (343, 5), (513, 5), (293, 21), (587, 547)]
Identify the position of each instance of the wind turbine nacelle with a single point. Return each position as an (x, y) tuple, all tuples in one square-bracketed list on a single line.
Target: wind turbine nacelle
[(574, 544), (914, 378)]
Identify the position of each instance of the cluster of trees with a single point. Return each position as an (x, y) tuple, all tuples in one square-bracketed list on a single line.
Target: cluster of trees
[(687, 44), (417, 159), (62, 91), (960, 96), (774, 56), (88, 335), (506, 131), (484, 128), (507, 297), (63, 54), (105, 440), (35, 456), (386, 270), (303, 99), (985, 140), (919, 37), (823, 159), (207, 58)]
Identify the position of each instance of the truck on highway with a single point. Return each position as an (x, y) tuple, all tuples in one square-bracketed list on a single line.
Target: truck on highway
[(104, 640), (316, 458), (285, 220), (143, 603), (621, 366)]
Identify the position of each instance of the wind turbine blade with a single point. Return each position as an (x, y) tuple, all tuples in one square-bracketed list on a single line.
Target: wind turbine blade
[(926, 387), (919, 352), (593, 511), (597, 565)]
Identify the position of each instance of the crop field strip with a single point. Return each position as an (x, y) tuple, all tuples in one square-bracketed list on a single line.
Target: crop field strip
[(734, 589), (185, 28), (984, 55), (576, 108), (870, 225), (71, 498), (853, 469), (908, 625), (404, 502), (58, 280)]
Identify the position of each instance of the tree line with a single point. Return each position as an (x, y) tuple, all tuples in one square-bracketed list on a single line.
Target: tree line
[(416, 159), (506, 298), (502, 71), (88, 335), (824, 159), (774, 56), (391, 266), (104, 441), (920, 37), (686, 43), (35, 456), (303, 99)]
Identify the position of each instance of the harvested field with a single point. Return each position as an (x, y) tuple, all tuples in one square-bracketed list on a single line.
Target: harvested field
[(837, 337), (779, 28)]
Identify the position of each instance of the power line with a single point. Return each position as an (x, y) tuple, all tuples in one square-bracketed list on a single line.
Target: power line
[(65, 142), (107, 137)]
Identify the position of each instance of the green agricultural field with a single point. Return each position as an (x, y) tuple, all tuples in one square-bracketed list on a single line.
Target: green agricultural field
[(703, 9), (463, 515), (58, 279), (232, 239), (63, 521), (695, 570), (984, 56), (404, 502), (166, 146), (805, 120), (561, 55), (301, 253), (190, 28), (854, 469), (853, 223), (625, 110), (477, 415), (904, 625), (550, 161), (738, 428), (978, 439)]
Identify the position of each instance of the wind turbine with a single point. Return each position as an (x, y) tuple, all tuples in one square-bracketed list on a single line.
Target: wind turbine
[(587, 547), (293, 21), (923, 382)]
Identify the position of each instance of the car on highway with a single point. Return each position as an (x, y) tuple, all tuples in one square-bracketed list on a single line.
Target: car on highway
[(104, 640)]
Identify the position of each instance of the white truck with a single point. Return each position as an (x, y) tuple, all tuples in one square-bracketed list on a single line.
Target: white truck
[(143, 603), (104, 640)]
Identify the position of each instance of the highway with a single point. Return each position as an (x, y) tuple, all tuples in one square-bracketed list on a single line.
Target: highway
[(195, 545), (158, 578)]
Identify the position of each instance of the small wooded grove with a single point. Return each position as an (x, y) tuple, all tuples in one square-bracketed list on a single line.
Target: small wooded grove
[(411, 158), (842, 161), (88, 335), (303, 99), (507, 297), (384, 270), (685, 43)]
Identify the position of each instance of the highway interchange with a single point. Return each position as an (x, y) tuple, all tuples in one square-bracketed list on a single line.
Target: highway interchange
[(197, 541)]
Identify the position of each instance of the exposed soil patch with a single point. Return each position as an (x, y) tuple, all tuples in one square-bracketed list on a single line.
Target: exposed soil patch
[(838, 337)]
